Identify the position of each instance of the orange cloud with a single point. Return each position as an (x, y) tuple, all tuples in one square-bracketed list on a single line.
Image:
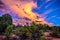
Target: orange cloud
[(23, 8)]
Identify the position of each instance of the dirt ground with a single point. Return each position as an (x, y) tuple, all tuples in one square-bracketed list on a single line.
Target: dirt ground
[(46, 34)]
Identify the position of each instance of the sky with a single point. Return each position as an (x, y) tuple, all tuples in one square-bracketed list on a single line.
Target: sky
[(22, 11)]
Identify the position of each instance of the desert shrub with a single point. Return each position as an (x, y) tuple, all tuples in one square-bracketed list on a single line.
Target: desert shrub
[(8, 31), (22, 32), (5, 20)]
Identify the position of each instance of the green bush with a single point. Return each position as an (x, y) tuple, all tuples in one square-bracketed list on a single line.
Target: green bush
[(5, 20), (8, 31), (22, 32)]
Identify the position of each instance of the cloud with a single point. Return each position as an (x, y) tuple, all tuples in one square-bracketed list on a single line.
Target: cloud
[(23, 8)]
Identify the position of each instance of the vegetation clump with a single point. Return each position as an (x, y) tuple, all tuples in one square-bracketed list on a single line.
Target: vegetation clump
[(32, 32)]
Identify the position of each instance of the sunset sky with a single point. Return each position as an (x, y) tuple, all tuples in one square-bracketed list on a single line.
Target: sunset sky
[(46, 11)]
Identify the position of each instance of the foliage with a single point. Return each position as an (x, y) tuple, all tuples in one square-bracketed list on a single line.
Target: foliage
[(23, 32), (56, 32), (34, 32), (9, 30), (42, 38), (5, 20)]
